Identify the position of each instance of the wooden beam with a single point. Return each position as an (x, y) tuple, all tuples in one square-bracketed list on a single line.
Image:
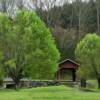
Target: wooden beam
[(74, 75)]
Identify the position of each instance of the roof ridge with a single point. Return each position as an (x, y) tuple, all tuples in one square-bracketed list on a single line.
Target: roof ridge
[(70, 61)]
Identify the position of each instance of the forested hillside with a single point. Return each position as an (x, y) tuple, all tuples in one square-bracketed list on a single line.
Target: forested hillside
[(71, 22), (68, 21)]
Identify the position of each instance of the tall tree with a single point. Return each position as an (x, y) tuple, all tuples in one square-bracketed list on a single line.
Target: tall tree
[(98, 16), (89, 19), (66, 41), (87, 53), (29, 48)]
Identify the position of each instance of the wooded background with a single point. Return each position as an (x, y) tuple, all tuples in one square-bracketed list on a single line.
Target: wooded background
[(68, 22)]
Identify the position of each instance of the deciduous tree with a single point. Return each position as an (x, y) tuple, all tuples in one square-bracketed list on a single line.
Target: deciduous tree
[(28, 47), (88, 55)]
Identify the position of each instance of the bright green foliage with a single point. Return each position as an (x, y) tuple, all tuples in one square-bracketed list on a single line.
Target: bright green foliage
[(1, 66), (29, 48), (41, 55), (88, 55), (5, 29)]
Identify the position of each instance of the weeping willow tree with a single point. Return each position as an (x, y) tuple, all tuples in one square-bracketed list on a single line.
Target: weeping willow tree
[(88, 54)]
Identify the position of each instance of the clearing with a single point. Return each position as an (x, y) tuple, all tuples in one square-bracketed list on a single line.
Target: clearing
[(49, 93)]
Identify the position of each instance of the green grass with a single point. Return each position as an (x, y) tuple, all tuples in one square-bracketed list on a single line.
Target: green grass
[(93, 84), (49, 93)]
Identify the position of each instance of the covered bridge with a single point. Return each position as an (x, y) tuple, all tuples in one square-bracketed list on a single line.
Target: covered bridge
[(65, 67)]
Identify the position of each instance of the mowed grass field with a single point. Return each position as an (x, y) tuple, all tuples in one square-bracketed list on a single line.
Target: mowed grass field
[(49, 93)]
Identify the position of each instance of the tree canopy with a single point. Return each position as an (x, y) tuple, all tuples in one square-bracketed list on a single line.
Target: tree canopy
[(88, 55), (28, 47)]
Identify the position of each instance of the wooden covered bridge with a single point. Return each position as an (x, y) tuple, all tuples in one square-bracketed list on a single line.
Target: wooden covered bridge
[(65, 67)]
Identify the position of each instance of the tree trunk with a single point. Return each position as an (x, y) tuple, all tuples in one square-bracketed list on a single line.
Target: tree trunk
[(98, 83), (74, 75), (83, 83), (98, 20), (16, 81), (98, 16)]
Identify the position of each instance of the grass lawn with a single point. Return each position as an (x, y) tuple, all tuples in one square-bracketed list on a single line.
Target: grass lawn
[(94, 84), (49, 93)]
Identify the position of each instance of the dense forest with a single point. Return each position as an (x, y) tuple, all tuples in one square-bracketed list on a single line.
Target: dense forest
[(68, 21)]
